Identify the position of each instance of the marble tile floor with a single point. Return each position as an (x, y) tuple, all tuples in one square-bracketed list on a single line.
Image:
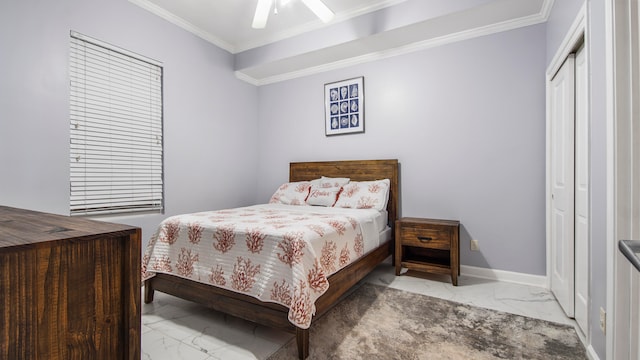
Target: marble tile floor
[(176, 329)]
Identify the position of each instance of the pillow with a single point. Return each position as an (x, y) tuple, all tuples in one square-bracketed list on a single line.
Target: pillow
[(323, 196), (365, 195), (327, 182), (294, 193)]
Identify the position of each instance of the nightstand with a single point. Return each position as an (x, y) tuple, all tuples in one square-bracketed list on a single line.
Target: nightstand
[(428, 245)]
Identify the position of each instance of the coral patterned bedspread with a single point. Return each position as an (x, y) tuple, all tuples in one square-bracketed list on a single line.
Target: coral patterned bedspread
[(273, 252)]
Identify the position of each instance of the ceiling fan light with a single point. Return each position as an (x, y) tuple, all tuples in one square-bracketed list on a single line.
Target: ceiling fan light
[(320, 9), (262, 14)]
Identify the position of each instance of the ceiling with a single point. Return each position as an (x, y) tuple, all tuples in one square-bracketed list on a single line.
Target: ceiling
[(296, 43)]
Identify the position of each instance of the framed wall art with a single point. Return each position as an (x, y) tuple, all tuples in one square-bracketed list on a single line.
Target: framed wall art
[(344, 107)]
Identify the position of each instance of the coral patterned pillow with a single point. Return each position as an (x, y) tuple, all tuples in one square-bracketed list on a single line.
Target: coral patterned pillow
[(364, 195), (294, 193), (323, 196)]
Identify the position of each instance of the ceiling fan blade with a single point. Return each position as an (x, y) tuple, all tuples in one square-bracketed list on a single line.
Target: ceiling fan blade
[(320, 9), (262, 14)]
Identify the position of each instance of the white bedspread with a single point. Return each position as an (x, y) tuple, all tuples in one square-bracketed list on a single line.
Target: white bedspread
[(273, 252)]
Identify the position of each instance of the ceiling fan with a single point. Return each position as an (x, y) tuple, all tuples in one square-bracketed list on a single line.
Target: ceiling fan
[(264, 8)]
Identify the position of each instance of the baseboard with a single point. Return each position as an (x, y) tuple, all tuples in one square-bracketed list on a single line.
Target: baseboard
[(591, 353), (501, 275)]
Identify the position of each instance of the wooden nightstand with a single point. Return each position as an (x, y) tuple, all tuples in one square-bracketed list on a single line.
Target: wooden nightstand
[(428, 245)]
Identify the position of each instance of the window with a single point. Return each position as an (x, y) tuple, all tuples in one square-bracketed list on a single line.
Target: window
[(116, 130)]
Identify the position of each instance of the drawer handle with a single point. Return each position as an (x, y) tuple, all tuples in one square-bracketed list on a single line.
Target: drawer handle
[(425, 239)]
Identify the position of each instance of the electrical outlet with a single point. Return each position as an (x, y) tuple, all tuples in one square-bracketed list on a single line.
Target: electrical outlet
[(474, 245), (603, 320)]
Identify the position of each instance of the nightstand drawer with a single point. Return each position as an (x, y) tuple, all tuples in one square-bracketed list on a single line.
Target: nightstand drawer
[(426, 238)]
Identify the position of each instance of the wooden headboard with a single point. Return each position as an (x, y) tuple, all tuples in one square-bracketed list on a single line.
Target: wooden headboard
[(356, 170)]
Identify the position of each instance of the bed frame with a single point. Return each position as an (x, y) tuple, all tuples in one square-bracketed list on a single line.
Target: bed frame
[(275, 315)]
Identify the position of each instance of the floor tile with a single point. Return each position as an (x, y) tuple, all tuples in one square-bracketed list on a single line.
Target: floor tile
[(158, 346)]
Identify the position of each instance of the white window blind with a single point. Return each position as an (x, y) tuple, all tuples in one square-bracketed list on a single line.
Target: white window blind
[(116, 160)]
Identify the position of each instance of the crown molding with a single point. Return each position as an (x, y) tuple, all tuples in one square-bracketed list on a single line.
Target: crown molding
[(248, 75), (512, 24), (546, 9), (247, 45), (246, 78), (178, 21), (312, 26)]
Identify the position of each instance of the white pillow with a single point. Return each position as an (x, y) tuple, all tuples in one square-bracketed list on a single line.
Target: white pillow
[(326, 182), (323, 196), (365, 195), (294, 193)]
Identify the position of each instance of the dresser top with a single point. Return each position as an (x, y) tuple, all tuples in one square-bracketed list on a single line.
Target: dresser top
[(20, 227)]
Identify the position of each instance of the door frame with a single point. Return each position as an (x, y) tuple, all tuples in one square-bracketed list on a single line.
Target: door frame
[(622, 20), (583, 203), (576, 35)]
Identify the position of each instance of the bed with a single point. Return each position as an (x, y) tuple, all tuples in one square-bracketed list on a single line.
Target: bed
[(276, 315)]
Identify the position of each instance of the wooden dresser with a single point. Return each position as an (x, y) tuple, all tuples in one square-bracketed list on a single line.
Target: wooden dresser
[(69, 287), (428, 245)]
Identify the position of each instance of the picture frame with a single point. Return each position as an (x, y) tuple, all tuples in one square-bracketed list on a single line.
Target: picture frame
[(344, 107)]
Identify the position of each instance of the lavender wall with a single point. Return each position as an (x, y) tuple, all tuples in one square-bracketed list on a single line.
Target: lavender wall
[(465, 120), (209, 115), (560, 19)]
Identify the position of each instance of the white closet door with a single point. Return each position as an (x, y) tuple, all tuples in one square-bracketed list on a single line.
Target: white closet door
[(582, 195), (562, 107)]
